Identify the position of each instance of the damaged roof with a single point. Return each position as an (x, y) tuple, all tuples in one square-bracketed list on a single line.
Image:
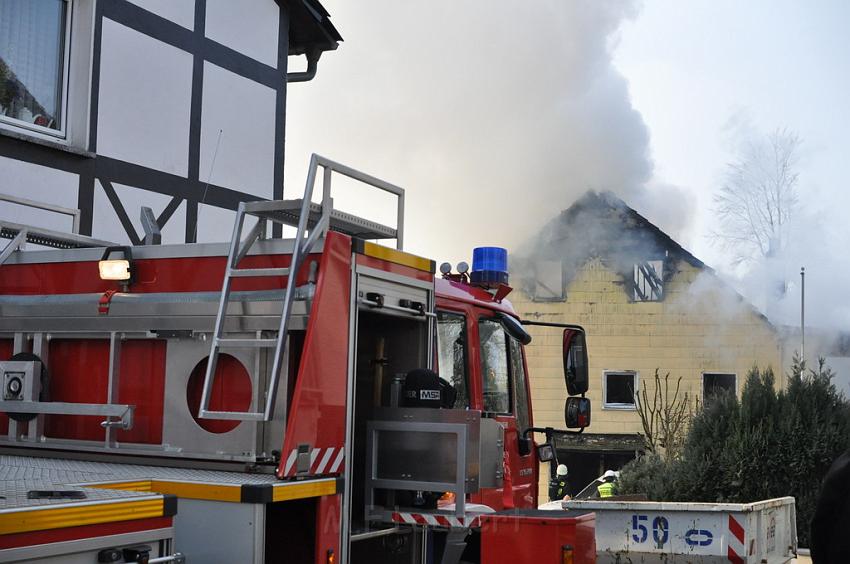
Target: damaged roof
[(310, 27), (599, 224)]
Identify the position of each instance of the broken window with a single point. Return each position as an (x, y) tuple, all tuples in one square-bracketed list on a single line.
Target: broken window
[(548, 281), (619, 390), (715, 384), (649, 281)]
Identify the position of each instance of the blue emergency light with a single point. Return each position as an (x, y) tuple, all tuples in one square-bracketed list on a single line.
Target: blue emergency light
[(489, 266)]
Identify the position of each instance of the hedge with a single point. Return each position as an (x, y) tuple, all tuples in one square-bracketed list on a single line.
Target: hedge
[(769, 444)]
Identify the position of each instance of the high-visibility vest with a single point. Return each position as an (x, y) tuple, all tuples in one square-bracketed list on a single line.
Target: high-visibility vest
[(605, 489)]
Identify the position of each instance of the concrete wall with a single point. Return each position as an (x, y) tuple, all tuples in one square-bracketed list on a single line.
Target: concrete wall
[(700, 326)]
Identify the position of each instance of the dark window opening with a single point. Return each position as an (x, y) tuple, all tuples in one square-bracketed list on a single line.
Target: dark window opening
[(620, 390), (715, 385)]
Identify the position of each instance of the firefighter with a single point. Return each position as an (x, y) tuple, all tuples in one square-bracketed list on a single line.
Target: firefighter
[(558, 486), (607, 488)]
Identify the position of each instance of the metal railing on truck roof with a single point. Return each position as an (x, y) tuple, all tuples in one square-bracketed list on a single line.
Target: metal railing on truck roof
[(20, 234), (313, 221)]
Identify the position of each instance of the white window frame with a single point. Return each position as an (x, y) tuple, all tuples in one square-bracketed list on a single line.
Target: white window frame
[(702, 381), (17, 125), (619, 406)]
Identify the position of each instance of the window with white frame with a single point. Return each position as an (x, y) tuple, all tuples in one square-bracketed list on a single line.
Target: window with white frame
[(619, 388), (34, 60), (648, 281), (716, 384)]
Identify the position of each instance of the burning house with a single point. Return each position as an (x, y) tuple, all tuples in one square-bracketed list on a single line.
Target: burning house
[(647, 304)]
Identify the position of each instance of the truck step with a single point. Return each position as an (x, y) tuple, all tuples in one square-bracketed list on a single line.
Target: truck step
[(257, 272), (246, 343), (233, 415)]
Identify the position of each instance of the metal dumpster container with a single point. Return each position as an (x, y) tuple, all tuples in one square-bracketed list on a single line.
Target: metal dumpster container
[(648, 532)]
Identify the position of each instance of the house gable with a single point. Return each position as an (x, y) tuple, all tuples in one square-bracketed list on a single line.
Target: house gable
[(701, 327)]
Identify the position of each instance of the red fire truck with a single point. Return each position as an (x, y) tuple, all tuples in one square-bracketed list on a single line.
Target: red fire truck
[(317, 399)]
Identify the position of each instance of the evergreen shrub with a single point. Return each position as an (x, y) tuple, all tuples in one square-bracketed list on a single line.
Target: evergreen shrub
[(769, 444)]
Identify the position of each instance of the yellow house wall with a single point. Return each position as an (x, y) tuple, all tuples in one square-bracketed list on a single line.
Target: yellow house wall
[(700, 326)]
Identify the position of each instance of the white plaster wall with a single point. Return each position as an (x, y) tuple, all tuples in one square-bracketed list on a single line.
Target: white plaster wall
[(215, 225), (107, 226), (181, 12), (175, 230), (243, 112), (247, 26), (145, 100), (134, 198), (39, 183)]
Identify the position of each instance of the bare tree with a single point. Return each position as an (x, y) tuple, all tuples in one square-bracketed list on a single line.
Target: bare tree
[(759, 196), (665, 418)]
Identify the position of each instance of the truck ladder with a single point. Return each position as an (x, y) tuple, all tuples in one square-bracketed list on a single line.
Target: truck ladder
[(312, 221)]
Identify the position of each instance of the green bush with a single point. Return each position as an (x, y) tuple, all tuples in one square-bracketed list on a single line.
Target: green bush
[(769, 444), (642, 476)]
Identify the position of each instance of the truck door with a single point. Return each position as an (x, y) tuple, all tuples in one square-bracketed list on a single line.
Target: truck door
[(452, 354), (499, 371)]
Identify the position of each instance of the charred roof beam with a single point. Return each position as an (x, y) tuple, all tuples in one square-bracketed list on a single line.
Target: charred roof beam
[(650, 275)]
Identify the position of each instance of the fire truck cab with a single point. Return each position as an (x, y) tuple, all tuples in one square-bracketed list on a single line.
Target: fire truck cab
[(316, 399)]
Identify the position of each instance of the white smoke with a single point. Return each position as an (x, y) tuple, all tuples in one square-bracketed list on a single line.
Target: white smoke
[(815, 238), (494, 116), (818, 243)]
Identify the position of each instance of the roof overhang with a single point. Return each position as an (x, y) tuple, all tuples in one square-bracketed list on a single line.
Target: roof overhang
[(310, 28)]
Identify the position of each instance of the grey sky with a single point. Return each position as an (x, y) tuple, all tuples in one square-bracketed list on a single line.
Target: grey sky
[(698, 69), (495, 116), (705, 73)]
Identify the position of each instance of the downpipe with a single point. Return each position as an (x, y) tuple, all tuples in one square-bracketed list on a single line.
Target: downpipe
[(312, 66)]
